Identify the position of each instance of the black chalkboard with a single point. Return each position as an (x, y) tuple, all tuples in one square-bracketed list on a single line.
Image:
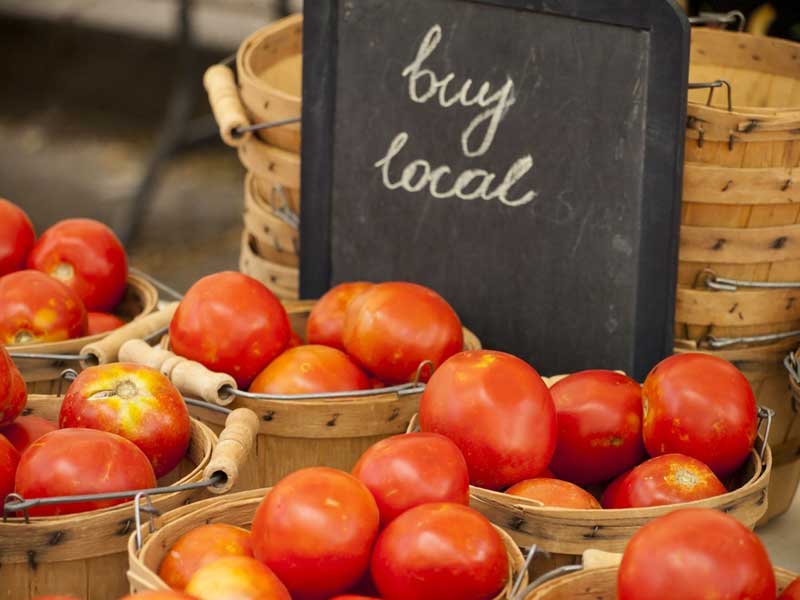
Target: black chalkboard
[(541, 199)]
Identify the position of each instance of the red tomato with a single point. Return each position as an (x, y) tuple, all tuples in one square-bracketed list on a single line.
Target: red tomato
[(69, 462), (136, 402), (405, 471), (667, 479), (599, 426), (100, 322), (316, 521), (702, 406), (393, 327), (792, 592), (38, 308), (294, 340), (150, 595), (437, 551), (13, 393), (231, 323), (86, 256), (554, 492), (326, 322), (27, 429), (546, 474), (355, 597), (236, 578), (310, 370), (497, 410), (9, 459), (16, 237), (695, 554), (199, 547)]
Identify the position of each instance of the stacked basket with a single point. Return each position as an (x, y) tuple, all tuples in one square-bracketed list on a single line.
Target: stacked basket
[(739, 271), (268, 92)]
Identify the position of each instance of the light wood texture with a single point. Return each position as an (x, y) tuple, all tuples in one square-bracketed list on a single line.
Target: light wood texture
[(223, 96), (743, 307), (85, 554), (44, 377), (271, 162), (237, 509), (597, 559), (739, 245), (282, 280), (711, 184), (234, 446), (269, 235)]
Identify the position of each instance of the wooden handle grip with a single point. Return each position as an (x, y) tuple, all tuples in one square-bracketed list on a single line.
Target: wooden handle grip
[(598, 559), (197, 381), (142, 353), (235, 443), (223, 95), (106, 350)]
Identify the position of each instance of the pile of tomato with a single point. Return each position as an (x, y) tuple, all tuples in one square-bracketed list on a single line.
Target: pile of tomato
[(64, 285)]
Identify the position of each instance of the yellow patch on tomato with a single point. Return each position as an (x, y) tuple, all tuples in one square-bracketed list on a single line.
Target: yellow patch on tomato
[(45, 318)]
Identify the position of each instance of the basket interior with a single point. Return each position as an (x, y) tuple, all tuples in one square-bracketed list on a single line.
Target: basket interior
[(278, 60)]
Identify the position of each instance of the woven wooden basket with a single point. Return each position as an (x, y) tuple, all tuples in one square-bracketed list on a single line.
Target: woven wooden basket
[(272, 234), (294, 434), (43, 377), (235, 509), (740, 216), (282, 280), (85, 554)]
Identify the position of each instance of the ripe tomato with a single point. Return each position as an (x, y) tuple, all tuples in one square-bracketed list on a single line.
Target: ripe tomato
[(438, 551), (405, 471), (315, 529), (554, 492), (199, 547), (355, 597), (16, 237), (69, 462), (310, 369), (702, 406), (666, 479), (100, 322), (9, 459), (231, 323), (136, 402), (25, 430), (326, 322), (497, 410), (150, 595), (294, 340), (695, 554), (393, 327), (37, 308), (13, 393), (236, 578), (792, 592), (599, 417), (86, 256)]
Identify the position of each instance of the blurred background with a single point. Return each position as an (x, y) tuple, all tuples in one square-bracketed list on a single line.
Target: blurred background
[(103, 114)]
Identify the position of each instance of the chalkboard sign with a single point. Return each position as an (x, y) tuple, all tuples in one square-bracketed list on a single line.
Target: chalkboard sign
[(523, 158)]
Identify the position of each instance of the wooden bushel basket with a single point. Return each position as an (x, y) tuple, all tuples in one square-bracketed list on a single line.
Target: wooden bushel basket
[(294, 433), (85, 554), (236, 509), (43, 377)]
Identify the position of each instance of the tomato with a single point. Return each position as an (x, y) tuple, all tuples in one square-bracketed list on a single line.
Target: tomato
[(86, 256), (199, 547), (393, 327), (27, 429), (355, 597), (294, 340), (16, 237), (554, 492), (497, 410), (438, 551), (702, 406), (236, 578), (695, 554), (37, 308), (231, 323), (666, 479), (792, 592), (13, 393), (315, 529), (69, 462), (326, 322), (9, 459), (599, 417), (136, 402), (405, 471), (100, 322), (310, 369), (151, 595)]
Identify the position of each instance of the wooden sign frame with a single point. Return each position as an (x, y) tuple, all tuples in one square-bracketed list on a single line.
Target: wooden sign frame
[(662, 160)]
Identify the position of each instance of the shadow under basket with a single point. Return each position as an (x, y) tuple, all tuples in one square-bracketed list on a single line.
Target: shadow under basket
[(85, 554), (236, 509)]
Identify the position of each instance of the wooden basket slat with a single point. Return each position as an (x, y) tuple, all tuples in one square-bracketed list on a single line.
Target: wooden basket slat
[(745, 307), (711, 184)]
